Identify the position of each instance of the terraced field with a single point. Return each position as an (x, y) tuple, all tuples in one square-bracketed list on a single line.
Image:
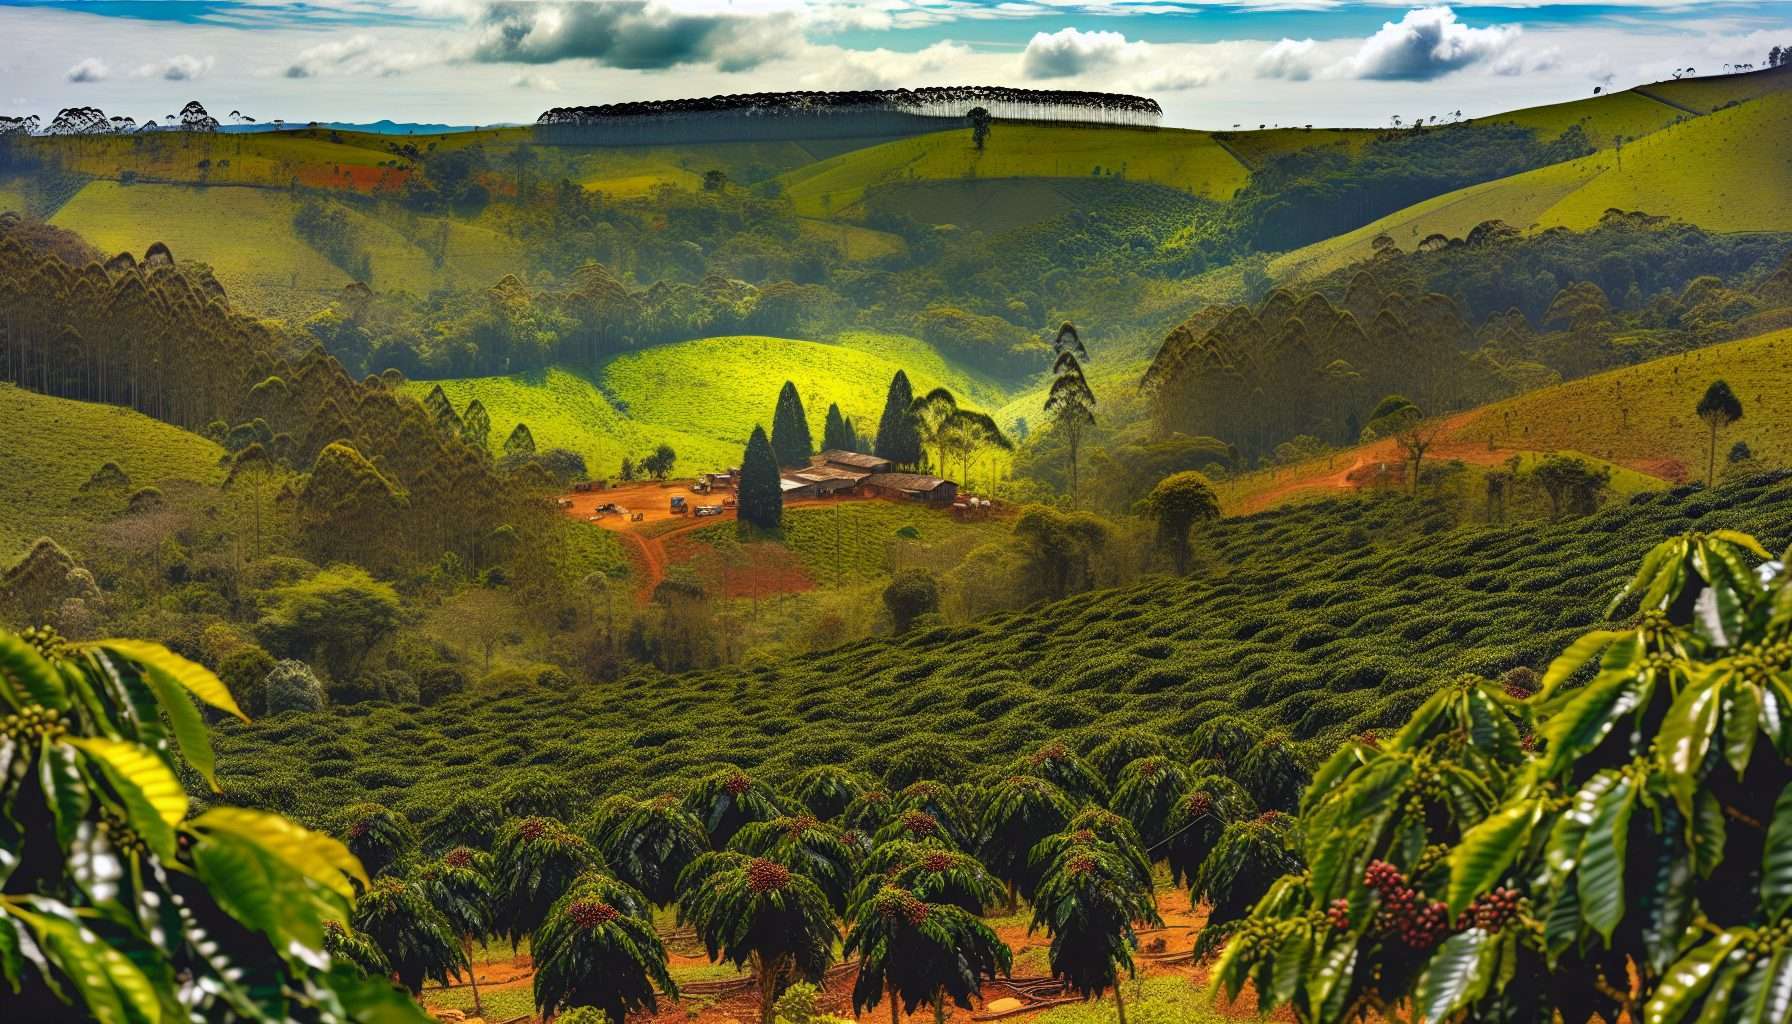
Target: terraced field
[(1320, 620), (53, 445), (1711, 171), (1190, 161)]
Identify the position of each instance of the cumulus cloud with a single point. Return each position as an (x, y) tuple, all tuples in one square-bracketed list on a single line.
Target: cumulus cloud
[(534, 82), (90, 70), (1429, 42), (632, 34), (359, 54), (884, 69), (1426, 43), (1293, 59), (179, 68), (1069, 52)]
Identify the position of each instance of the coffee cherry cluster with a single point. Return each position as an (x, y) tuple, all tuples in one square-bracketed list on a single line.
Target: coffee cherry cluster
[(589, 914), (1491, 911), (35, 722), (45, 641), (1338, 913), (795, 827), (894, 902), (1419, 922), (459, 857), (121, 835), (938, 861), (1081, 865), (1767, 940), (737, 783), (1197, 805), (767, 876), (1053, 751), (920, 824), (533, 828)]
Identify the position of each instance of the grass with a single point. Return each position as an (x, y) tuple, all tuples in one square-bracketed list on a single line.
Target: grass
[(858, 244), (1602, 118), (1186, 160), (1708, 92), (704, 397), (1644, 413), (55, 444), (261, 258), (1322, 619), (1171, 1000), (1717, 171), (857, 542)]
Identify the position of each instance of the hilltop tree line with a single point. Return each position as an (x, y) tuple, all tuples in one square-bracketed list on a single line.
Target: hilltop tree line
[(951, 101)]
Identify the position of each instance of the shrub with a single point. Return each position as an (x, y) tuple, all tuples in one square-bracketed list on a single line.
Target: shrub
[(291, 686)]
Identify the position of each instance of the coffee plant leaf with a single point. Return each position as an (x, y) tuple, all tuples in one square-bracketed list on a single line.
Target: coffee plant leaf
[(1458, 974), (1776, 867)]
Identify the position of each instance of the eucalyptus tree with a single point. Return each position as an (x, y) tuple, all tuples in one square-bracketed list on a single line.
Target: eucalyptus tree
[(1069, 401), (915, 953), (119, 906), (759, 914), (930, 414), (1718, 407), (598, 947)]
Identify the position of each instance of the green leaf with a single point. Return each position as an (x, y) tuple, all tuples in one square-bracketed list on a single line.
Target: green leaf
[(1776, 1004), (1687, 981), (59, 772), (1742, 724), (1487, 850), (1776, 866), (312, 854), (160, 661), (1686, 735), (111, 989), (1601, 882), (1707, 832), (1646, 574), (1454, 978), (1741, 540), (1578, 654), (189, 728), (1290, 964), (137, 768), (1331, 967), (28, 678), (1592, 713), (12, 952)]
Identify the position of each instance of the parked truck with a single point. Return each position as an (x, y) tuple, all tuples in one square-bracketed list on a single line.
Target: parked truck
[(678, 506)]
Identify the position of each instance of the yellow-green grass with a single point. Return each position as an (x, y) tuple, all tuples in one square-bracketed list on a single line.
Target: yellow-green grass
[(855, 542), (1603, 118), (1174, 997), (1256, 147), (565, 410), (857, 243), (1720, 171), (719, 388), (53, 446), (1186, 160), (246, 236), (1644, 414), (625, 172), (1708, 92), (255, 158), (13, 199)]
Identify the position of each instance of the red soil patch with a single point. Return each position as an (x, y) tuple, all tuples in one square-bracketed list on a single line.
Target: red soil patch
[(353, 177), (762, 569)]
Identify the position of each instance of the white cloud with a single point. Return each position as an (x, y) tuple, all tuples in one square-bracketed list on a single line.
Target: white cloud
[(632, 34), (1426, 43), (179, 68), (1070, 52), (1429, 42), (359, 54), (884, 69), (534, 82), (90, 70), (1293, 59)]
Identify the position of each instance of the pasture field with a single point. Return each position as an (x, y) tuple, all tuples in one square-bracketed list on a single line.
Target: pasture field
[(244, 158), (565, 410), (1646, 412), (1256, 147), (1322, 620), (54, 445), (855, 542), (261, 260), (719, 388), (1711, 171), (858, 244), (1186, 160), (1709, 92), (1603, 118)]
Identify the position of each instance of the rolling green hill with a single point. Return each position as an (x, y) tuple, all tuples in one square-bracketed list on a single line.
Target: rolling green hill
[(261, 260), (703, 397), (54, 445), (1715, 171), (1645, 413), (1190, 161), (1322, 620)]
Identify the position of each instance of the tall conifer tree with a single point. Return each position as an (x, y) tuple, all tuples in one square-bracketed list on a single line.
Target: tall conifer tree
[(761, 497), (791, 441), (897, 438)]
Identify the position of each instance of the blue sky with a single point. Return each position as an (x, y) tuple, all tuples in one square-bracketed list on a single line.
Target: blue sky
[(1209, 62)]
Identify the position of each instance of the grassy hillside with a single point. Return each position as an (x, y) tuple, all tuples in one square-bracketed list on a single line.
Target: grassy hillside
[(54, 445), (703, 397), (1645, 412), (1190, 161), (1603, 118), (856, 542), (261, 260), (1717, 171), (1321, 620)]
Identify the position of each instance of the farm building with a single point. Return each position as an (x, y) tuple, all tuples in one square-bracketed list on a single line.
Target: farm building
[(911, 486), (857, 462), (819, 481)]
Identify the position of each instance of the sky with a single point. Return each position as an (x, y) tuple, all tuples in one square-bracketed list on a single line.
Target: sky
[(1210, 63)]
